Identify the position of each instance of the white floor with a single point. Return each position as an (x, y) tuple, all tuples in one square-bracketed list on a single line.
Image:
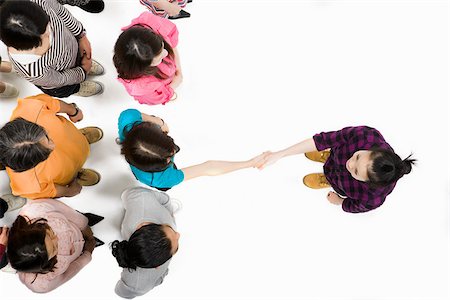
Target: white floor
[(263, 75)]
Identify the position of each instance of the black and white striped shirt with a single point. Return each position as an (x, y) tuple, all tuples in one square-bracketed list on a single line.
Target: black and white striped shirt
[(58, 66)]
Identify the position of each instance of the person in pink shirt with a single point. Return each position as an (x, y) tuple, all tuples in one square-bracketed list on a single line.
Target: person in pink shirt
[(49, 243), (147, 60)]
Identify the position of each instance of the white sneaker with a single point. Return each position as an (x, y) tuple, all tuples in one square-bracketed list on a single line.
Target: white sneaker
[(176, 205), (9, 269), (90, 88), (96, 68), (14, 202), (10, 91)]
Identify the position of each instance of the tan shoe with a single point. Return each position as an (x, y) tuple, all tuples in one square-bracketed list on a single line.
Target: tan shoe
[(88, 177), (93, 134), (316, 181), (319, 156), (89, 88), (14, 202), (96, 68), (10, 91)]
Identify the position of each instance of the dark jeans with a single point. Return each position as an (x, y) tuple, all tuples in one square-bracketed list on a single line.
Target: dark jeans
[(3, 207), (62, 92)]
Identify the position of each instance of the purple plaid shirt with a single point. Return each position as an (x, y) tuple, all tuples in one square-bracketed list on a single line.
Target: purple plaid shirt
[(343, 143)]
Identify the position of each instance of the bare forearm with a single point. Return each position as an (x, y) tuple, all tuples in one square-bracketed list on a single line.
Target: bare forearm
[(214, 168), (302, 147), (66, 108)]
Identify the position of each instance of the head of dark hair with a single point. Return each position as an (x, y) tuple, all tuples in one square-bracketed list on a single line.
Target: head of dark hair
[(387, 167), (26, 246), (134, 51), (21, 24), (148, 148), (148, 247), (20, 147)]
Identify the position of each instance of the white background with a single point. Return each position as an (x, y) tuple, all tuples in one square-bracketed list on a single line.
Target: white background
[(263, 75)]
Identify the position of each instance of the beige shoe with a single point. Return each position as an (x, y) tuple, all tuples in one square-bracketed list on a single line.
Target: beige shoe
[(14, 202), (92, 134), (88, 177), (90, 88), (316, 181), (96, 68), (319, 156), (10, 91)]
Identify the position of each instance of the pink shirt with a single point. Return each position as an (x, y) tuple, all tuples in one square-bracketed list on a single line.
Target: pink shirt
[(67, 224), (149, 89)]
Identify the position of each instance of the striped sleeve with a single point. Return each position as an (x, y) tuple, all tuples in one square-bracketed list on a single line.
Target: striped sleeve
[(69, 21), (53, 78)]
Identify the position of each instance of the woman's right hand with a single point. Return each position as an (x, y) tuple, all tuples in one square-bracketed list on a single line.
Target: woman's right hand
[(89, 245), (86, 63), (89, 241), (271, 158), (4, 235)]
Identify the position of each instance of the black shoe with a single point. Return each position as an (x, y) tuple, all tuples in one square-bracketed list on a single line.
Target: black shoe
[(189, 1), (93, 218), (98, 242), (93, 6), (181, 14)]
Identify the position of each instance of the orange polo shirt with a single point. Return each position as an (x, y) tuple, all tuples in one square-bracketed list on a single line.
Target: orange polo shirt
[(70, 152)]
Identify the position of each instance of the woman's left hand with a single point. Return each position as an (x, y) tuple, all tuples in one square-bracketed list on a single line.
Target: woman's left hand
[(78, 117), (85, 47), (334, 198)]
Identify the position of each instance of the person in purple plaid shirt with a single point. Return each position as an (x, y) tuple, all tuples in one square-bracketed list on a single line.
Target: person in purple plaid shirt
[(358, 164)]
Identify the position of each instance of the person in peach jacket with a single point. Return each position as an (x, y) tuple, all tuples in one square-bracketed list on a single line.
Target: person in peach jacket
[(49, 243), (147, 60)]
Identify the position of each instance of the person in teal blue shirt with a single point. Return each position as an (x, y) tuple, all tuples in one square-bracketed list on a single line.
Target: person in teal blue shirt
[(150, 151)]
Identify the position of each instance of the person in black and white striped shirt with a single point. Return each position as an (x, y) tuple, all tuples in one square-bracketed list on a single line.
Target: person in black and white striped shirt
[(48, 47)]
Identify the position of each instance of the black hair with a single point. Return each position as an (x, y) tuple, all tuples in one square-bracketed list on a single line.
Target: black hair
[(22, 23), (148, 148), (26, 246), (387, 167), (134, 51), (20, 147), (148, 247)]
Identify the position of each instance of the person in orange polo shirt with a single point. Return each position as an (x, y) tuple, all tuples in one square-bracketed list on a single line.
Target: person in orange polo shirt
[(43, 152)]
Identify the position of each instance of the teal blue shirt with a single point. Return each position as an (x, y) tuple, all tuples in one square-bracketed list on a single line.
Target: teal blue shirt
[(164, 179)]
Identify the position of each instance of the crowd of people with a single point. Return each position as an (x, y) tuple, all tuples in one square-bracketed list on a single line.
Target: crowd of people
[(43, 151)]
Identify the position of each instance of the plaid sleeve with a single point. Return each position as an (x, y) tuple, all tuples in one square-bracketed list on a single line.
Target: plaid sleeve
[(359, 136), (325, 140), (358, 206)]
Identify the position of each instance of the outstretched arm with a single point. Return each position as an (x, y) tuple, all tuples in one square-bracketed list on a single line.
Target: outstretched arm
[(299, 148), (218, 167)]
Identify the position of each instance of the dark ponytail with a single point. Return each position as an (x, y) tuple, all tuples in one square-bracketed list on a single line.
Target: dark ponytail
[(119, 251), (148, 247), (388, 167)]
